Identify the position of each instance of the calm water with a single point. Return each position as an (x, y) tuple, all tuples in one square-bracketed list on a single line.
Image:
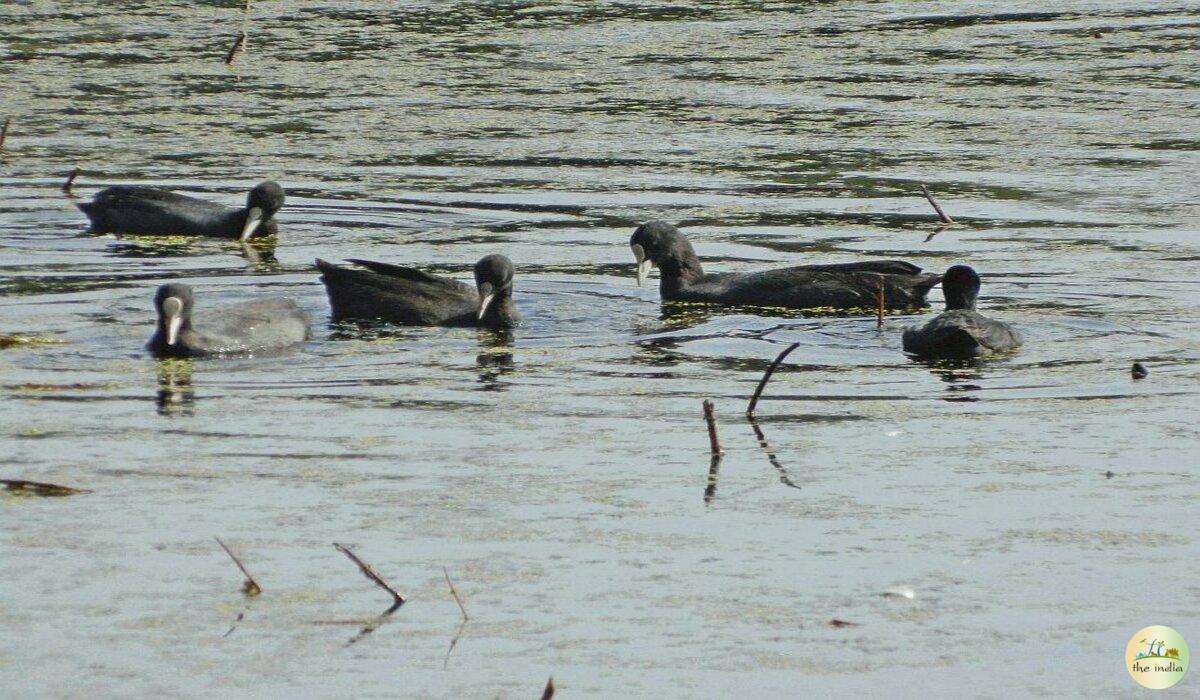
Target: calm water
[(561, 473)]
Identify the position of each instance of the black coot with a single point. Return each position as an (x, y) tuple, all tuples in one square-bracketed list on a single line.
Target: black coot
[(154, 212), (238, 329), (407, 296), (842, 286), (960, 331)]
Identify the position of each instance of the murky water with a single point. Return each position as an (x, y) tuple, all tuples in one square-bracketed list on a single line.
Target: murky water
[(561, 473)]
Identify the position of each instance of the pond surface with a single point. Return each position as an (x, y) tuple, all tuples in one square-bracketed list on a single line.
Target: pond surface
[(1037, 508)]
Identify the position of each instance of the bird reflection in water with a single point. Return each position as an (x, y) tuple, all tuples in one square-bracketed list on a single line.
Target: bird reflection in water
[(495, 358), (175, 396), (960, 375)]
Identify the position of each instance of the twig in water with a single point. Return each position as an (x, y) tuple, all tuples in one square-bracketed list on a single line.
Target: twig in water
[(70, 181), (762, 384), (714, 444), (454, 593), (370, 573), (38, 488), (710, 488), (250, 587), (784, 477), (232, 627), (942, 215), (4, 130), (549, 691), (239, 44), (879, 304)]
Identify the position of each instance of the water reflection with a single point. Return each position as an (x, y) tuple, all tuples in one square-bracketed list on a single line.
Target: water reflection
[(959, 374), (495, 359), (175, 396)]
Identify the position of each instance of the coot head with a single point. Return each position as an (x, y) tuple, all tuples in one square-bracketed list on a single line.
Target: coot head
[(261, 204), (173, 302), (493, 279), (960, 285), (659, 243)]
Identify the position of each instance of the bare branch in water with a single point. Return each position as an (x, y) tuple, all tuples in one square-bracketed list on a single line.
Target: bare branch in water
[(710, 417), (250, 587), (373, 575), (66, 188), (714, 469), (239, 44), (549, 691), (454, 593), (942, 215), (767, 376)]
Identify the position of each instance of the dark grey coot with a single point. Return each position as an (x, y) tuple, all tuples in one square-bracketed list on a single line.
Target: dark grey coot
[(408, 296), (960, 331), (238, 329), (843, 286), (153, 212)]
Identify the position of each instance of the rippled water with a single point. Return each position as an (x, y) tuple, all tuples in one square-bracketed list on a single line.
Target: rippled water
[(561, 473)]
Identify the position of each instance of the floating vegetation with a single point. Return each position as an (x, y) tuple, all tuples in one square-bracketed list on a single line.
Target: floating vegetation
[(21, 487), (8, 340)]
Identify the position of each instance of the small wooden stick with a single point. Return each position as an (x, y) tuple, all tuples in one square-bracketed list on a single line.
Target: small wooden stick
[(710, 418), (70, 181), (549, 691), (371, 574), (239, 44), (767, 376), (942, 215), (879, 299), (250, 587), (454, 593), (4, 130)]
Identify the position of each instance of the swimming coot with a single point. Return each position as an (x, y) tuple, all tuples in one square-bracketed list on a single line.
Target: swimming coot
[(960, 331), (408, 296), (244, 328), (150, 211), (847, 285)]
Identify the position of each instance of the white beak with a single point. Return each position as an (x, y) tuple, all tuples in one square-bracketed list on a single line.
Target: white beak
[(172, 309), (254, 217), (483, 305), (644, 264)]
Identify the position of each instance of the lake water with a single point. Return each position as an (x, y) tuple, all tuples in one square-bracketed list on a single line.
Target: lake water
[(1039, 508)]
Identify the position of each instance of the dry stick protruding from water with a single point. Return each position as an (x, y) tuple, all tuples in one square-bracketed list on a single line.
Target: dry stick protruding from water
[(454, 593), (39, 488), (239, 44), (879, 304), (767, 376), (4, 130), (549, 691), (370, 573), (942, 215), (70, 181), (710, 417), (250, 587)]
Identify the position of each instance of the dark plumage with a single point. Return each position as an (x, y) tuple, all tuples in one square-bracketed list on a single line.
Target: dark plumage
[(245, 328), (960, 331), (154, 212), (848, 285), (407, 296)]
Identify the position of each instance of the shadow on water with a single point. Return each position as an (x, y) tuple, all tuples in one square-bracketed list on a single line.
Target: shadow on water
[(495, 359)]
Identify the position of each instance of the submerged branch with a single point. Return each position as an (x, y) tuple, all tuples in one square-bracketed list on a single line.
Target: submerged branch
[(250, 587), (942, 215)]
